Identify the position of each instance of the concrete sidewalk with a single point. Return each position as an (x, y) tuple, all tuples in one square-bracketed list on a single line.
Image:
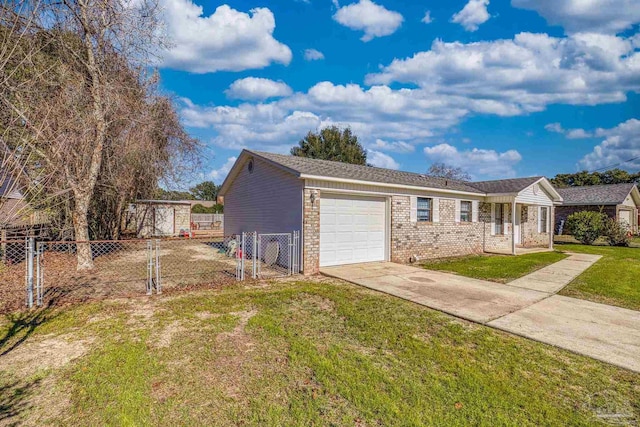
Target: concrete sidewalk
[(527, 306), (552, 278), (603, 332)]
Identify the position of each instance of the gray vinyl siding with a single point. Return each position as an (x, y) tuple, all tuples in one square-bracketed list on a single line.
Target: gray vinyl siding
[(268, 200)]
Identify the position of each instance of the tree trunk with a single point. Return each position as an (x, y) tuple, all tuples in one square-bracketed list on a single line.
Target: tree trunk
[(81, 230)]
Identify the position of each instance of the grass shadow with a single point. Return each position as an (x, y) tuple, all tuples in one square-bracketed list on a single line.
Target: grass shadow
[(14, 400), (23, 324)]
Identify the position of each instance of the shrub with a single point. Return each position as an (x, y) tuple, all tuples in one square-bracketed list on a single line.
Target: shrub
[(617, 234), (586, 226), (200, 209)]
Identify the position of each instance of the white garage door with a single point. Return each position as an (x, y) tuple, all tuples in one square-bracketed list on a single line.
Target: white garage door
[(352, 229)]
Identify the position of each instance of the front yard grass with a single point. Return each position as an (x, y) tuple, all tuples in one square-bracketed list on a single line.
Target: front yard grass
[(496, 268), (615, 279), (292, 353)]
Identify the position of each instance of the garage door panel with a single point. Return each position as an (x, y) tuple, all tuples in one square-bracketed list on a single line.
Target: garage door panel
[(352, 229)]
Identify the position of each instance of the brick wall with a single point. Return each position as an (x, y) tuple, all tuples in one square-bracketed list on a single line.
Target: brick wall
[(311, 233), (529, 224), (425, 240)]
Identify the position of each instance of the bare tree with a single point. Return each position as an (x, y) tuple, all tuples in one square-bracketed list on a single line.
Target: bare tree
[(77, 97), (442, 170)]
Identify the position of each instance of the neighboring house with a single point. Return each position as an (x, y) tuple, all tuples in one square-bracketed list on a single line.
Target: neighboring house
[(17, 217), (350, 213), (618, 201), (159, 218)]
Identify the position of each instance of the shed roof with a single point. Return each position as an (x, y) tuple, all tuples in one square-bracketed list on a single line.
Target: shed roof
[(611, 194)]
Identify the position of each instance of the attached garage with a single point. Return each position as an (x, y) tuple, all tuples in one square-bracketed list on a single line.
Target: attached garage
[(353, 229)]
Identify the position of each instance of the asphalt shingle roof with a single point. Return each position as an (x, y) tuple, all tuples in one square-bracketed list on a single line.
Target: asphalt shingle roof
[(512, 185), (612, 194), (307, 166)]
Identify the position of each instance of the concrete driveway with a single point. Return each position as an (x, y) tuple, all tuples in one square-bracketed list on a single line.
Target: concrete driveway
[(476, 300), (527, 307)]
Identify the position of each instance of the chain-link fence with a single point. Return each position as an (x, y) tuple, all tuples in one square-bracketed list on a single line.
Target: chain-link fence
[(184, 263), (14, 273), (59, 272), (109, 269)]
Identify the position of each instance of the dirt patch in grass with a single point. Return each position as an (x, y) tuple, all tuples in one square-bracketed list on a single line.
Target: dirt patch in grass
[(168, 333), (238, 336), (51, 352)]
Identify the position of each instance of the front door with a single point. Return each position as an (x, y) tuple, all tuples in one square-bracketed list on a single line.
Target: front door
[(516, 225)]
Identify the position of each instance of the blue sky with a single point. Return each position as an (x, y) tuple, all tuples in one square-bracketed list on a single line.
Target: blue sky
[(499, 88)]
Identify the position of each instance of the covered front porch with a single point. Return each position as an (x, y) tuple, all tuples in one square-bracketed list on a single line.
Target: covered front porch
[(520, 224)]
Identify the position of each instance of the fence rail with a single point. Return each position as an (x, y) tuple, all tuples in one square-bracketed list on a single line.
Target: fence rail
[(49, 273), (208, 221)]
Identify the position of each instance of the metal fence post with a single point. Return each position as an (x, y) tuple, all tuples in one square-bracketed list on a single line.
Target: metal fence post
[(290, 260), (149, 267), (39, 284), (243, 255), (158, 268), (29, 243), (259, 256), (254, 255), (296, 252)]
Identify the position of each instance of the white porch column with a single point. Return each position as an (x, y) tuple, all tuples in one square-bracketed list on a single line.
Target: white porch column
[(551, 227), (513, 227)]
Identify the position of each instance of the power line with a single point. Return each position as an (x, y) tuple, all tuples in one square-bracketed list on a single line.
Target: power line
[(617, 164)]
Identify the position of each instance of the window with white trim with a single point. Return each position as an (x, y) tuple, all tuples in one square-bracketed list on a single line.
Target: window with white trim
[(499, 218), (425, 209), (466, 211), (544, 219)]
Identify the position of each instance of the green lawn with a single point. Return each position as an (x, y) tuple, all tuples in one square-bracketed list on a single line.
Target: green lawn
[(497, 268), (615, 279), (292, 353)]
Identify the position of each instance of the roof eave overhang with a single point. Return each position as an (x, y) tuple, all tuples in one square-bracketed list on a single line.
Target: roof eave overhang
[(388, 185)]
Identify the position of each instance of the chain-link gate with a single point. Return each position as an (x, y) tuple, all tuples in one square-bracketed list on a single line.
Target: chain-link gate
[(277, 254)]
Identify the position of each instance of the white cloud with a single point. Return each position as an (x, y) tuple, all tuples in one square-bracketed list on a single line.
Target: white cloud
[(448, 83), (218, 175), (375, 113), (313, 55), (254, 88), (511, 77), (373, 19), (395, 146), (554, 127), (568, 133), (605, 16), (427, 18), (472, 15), (477, 162), (227, 40), (381, 160), (621, 144)]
